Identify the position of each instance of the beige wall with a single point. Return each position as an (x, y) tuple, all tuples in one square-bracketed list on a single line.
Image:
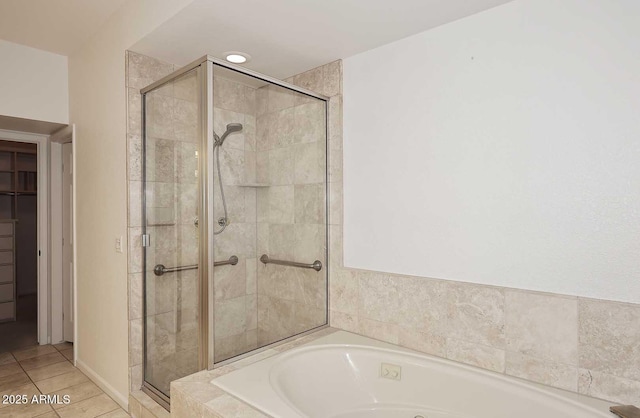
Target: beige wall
[(493, 140), (34, 84), (97, 105)]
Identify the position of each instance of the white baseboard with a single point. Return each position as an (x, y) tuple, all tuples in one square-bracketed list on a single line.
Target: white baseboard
[(121, 399)]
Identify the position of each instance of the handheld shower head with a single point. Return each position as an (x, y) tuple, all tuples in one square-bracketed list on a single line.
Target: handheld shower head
[(231, 128)]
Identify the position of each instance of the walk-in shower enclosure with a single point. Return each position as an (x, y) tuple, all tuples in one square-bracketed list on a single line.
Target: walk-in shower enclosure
[(211, 296)]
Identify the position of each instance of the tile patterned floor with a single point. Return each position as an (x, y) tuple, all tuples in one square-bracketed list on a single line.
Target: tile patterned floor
[(47, 369)]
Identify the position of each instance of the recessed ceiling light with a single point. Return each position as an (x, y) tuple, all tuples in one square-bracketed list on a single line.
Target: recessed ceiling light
[(237, 57)]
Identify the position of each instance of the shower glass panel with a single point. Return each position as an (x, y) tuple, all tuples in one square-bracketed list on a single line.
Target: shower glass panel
[(234, 218), (172, 138), (273, 175)]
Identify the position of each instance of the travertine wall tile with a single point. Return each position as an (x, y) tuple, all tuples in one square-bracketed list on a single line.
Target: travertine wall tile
[(228, 406), (379, 298), (309, 123), (311, 80), (609, 338), (134, 112), (345, 321), (543, 326), (344, 290), (309, 163), (335, 203), (476, 314), (135, 296), (332, 78), (230, 282), (230, 317), (281, 204), (423, 342), (422, 304), (476, 355), (309, 201), (335, 165), (240, 241), (335, 122), (280, 166), (309, 242), (251, 267), (558, 375), (383, 331), (279, 98), (134, 163), (608, 387), (135, 250), (183, 405), (335, 248), (143, 70), (135, 338), (135, 203)]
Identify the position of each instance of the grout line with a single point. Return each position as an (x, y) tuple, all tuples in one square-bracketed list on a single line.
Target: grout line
[(55, 411), (34, 384)]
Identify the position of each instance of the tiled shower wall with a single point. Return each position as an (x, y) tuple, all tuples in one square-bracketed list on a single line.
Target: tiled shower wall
[(171, 203), (140, 72), (583, 345), (235, 286), (291, 212)]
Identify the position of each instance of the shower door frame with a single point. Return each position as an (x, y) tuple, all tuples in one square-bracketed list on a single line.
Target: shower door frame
[(206, 298)]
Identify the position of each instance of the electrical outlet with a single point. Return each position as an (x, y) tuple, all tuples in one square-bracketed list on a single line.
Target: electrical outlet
[(390, 371), (119, 244)]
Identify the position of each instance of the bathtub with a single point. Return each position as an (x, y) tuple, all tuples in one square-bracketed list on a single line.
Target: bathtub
[(343, 375)]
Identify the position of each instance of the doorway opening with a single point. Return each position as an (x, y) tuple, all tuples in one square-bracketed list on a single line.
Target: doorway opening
[(18, 244)]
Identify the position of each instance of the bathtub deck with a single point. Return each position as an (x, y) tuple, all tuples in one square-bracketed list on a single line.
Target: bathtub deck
[(194, 396)]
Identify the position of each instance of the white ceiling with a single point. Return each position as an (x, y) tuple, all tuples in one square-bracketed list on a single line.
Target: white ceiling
[(59, 26), (286, 37)]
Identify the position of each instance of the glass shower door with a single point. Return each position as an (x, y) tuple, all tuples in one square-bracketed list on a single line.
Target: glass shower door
[(271, 197), (172, 140)]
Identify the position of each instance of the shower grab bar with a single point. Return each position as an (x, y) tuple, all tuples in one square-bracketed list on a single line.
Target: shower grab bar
[(233, 260), (160, 269), (316, 265)]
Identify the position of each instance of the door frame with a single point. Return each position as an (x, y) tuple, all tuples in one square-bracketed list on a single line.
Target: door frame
[(63, 136), (44, 294)]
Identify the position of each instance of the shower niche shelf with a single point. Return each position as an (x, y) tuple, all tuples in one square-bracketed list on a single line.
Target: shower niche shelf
[(253, 185)]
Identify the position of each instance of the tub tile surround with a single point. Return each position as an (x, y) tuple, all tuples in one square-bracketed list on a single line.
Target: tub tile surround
[(588, 346), (582, 345)]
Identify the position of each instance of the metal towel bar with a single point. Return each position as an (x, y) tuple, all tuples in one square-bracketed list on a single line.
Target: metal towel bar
[(160, 269), (316, 265)]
